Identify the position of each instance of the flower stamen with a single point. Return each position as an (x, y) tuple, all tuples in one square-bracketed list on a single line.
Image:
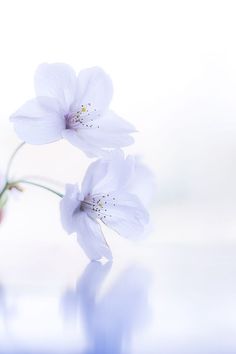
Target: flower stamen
[(98, 206), (82, 118)]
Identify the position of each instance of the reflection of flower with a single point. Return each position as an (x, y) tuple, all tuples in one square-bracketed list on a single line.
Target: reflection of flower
[(110, 320), (121, 312), (74, 108), (105, 197), (83, 298), (6, 311)]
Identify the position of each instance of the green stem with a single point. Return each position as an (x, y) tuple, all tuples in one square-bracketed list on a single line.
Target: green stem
[(11, 160), (12, 184), (4, 190)]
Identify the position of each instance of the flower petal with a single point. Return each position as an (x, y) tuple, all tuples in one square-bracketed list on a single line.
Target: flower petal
[(93, 86), (75, 139), (68, 205), (39, 121), (145, 191), (113, 133), (116, 168), (95, 172), (56, 80), (129, 216), (111, 122), (91, 239)]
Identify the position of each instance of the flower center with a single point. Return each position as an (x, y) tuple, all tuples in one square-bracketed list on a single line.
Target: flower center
[(99, 206), (82, 118)]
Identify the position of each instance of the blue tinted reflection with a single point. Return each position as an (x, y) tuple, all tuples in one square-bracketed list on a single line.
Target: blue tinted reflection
[(111, 319)]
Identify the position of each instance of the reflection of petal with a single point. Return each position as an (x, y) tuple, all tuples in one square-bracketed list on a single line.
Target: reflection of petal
[(87, 288), (122, 310), (2, 301), (5, 311), (110, 320)]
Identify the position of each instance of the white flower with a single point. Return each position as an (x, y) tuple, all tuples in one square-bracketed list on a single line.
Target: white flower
[(74, 108), (104, 197)]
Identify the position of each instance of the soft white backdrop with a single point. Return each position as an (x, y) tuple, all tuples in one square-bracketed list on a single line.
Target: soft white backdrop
[(173, 65)]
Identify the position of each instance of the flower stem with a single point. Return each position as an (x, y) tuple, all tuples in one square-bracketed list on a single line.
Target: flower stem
[(3, 190), (11, 160), (12, 184)]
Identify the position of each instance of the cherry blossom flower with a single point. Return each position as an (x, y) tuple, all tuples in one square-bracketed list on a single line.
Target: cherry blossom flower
[(104, 197), (74, 108)]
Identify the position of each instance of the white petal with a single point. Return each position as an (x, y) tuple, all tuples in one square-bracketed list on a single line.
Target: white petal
[(75, 139), (56, 80), (129, 216), (68, 205), (39, 121), (111, 122), (118, 172), (113, 132), (145, 191), (91, 239), (95, 173), (88, 287), (93, 86)]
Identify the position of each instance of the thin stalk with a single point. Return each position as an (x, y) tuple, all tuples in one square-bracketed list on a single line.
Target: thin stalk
[(4, 190), (12, 184), (11, 160)]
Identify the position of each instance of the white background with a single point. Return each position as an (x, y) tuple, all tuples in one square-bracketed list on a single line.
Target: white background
[(173, 65)]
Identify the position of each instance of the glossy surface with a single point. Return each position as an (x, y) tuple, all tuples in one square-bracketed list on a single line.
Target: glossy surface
[(157, 297)]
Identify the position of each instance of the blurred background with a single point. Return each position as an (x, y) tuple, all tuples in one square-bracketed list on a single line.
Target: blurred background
[(173, 68)]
